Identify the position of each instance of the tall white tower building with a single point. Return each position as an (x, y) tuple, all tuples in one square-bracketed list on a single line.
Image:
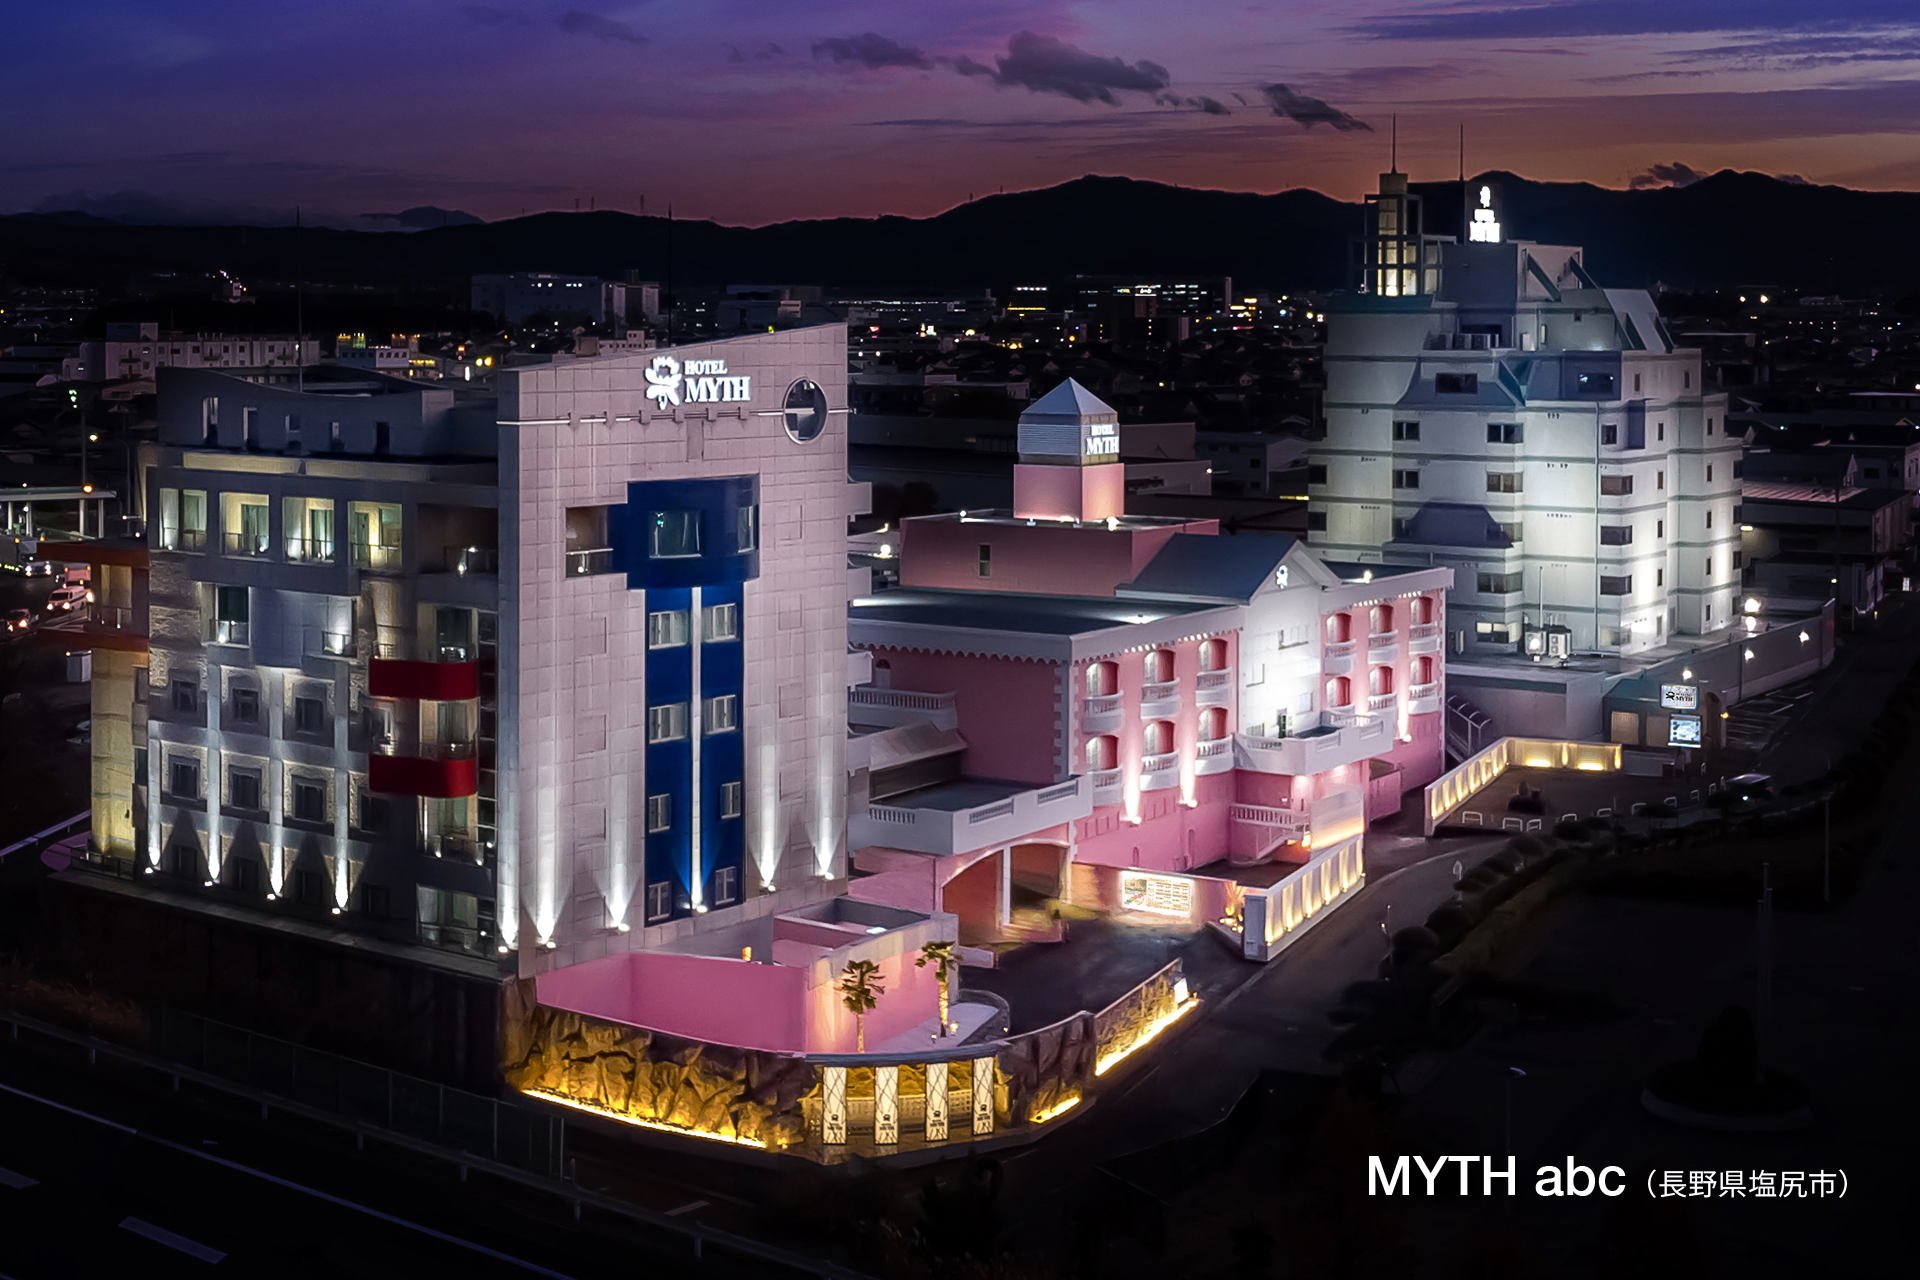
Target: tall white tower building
[(1491, 407)]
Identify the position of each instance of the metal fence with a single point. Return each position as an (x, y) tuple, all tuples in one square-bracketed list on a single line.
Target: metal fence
[(361, 1093)]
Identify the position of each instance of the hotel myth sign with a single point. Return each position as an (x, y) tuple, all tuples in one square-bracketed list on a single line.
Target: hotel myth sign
[(696, 382)]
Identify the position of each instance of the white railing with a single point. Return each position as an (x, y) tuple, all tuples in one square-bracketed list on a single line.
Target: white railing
[(1423, 630), (1260, 815), (1160, 763), (1339, 717), (1213, 680), (1455, 787), (1105, 780), (1217, 747), (890, 708), (1424, 690), (982, 826), (904, 699), (1339, 649), (1381, 701), (1107, 704), (1160, 691)]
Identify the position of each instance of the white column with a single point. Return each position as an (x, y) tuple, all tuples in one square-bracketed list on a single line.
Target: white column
[(833, 1105), (936, 1102), (886, 1106), (983, 1095)]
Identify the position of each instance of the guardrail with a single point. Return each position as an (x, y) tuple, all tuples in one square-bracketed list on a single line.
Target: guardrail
[(1454, 787)]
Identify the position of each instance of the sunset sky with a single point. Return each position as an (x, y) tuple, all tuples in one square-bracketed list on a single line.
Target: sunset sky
[(753, 111)]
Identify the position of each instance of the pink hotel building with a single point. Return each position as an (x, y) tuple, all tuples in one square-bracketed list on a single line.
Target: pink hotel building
[(1130, 713)]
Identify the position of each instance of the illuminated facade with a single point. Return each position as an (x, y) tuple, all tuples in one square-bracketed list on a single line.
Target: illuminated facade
[(1491, 407), (1096, 706)]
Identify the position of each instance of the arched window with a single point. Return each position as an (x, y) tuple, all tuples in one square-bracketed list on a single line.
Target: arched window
[(1213, 655), (1423, 670), (1103, 679), (1382, 619), (1159, 737), (1339, 628), (1339, 692), (1213, 724), (1103, 753), (1422, 610), (1380, 681), (1160, 666)]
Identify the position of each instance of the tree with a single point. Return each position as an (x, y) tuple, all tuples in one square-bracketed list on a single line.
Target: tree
[(944, 961), (860, 990)]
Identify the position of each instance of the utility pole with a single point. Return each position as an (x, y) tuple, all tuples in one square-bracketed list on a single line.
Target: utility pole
[(1763, 974)]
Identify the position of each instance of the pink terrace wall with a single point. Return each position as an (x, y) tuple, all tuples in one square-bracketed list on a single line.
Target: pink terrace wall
[(911, 997), (1010, 712), (1131, 734), (1044, 492), (711, 998), (1040, 559), (1170, 836)]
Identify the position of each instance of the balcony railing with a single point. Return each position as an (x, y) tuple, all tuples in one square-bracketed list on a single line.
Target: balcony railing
[(472, 560), (328, 644), (1339, 717), (1161, 763), (1159, 691), (226, 632), (1381, 701), (1424, 630), (1105, 780), (1339, 649), (375, 555), (1104, 705), (1213, 680), (245, 544), (112, 616), (190, 539), (1216, 747), (1424, 690), (989, 825), (589, 561), (310, 550)]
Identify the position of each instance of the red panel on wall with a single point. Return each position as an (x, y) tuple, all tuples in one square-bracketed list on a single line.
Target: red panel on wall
[(439, 681), (414, 776)]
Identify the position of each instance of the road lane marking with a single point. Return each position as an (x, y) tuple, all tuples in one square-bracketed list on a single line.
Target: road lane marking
[(160, 1235), (18, 1181)]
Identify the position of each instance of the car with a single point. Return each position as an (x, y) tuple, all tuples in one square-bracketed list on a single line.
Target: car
[(76, 575), (68, 598), (19, 619)]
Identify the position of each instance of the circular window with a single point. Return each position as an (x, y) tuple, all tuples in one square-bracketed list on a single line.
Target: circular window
[(806, 410)]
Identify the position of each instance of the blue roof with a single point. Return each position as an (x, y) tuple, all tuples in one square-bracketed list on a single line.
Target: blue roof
[(1199, 566)]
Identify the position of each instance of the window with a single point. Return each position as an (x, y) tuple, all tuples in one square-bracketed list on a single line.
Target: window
[(667, 629), (1636, 384), (722, 622), (246, 706), (726, 885), (659, 900), (721, 714), (309, 799), (1709, 569), (1504, 433), (1616, 486), (1709, 426), (375, 528), (1659, 431), (659, 813), (249, 428), (1637, 434), (1659, 479), (242, 875), (243, 788), (376, 902), (307, 888), (382, 438), (746, 528), (1405, 431), (1594, 384), (230, 614), (667, 722), (1709, 518), (309, 715), (193, 519), (732, 795), (1492, 633), (1456, 384), (1512, 530), (1873, 473), (986, 560), (210, 417), (1503, 482), (374, 812), (1659, 528), (1609, 433), (1686, 382), (183, 777), (1316, 522), (186, 696), (676, 535), (1402, 525), (1406, 479), (1612, 586), (453, 634), (1317, 471), (1616, 535), (1499, 584)]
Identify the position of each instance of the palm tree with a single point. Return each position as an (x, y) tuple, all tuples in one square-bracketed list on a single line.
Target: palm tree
[(860, 990), (941, 956)]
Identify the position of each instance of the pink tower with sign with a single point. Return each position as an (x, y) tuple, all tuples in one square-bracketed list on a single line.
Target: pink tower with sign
[(1069, 466)]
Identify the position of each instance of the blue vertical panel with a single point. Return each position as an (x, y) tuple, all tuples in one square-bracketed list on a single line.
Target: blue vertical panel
[(670, 764), (723, 755)]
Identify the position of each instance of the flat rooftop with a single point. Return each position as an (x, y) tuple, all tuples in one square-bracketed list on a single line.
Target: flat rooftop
[(1004, 516), (959, 794), (1006, 611)]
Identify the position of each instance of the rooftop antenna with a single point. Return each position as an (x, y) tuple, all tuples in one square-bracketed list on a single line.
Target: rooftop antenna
[(1463, 151), (299, 309), (1393, 143)]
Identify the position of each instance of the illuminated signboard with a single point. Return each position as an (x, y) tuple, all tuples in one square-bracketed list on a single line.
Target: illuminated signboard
[(697, 382), (1102, 440), (1485, 227), (1679, 697), (1684, 731), (1162, 895), (1280, 576)]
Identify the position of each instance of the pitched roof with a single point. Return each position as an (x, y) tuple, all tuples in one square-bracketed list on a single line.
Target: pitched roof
[(1200, 566), (1069, 402)]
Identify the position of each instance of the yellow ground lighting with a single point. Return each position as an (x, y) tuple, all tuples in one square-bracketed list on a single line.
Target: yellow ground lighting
[(1057, 1109), (638, 1123), (1160, 1024)]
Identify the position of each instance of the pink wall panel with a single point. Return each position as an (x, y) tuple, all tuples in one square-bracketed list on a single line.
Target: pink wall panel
[(1009, 710), (721, 1001), (1040, 559), (912, 996)]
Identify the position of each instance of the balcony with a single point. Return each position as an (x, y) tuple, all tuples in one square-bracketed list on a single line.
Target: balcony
[(310, 550), (450, 772), (377, 556), (464, 560), (1254, 829), (891, 708), (245, 544), (229, 632), (431, 681), (1425, 637), (1213, 688), (1384, 647), (589, 561), (1158, 772), (1103, 714), (1381, 701), (187, 540), (318, 643), (959, 817), (1159, 699), (1423, 699), (1213, 757), (1313, 750), (1106, 786), (1337, 659)]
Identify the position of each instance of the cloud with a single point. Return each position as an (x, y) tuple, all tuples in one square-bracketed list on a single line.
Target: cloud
[(611, 30), (1677, 174), (1212, 106), (1791, 179), (1309, 111), (872, 51), (1044, 64), (1638, 17), (486, 15)]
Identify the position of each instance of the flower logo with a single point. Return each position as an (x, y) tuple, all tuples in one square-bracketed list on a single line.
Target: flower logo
[(663, 380)]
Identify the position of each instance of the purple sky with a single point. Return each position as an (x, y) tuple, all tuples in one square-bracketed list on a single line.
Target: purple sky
[(756, 110)]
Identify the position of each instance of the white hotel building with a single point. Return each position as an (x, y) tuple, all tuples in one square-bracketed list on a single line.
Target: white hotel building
[(1492, 408)]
